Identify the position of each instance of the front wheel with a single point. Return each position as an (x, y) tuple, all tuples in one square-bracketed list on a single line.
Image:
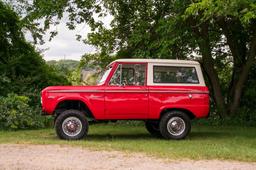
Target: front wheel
[(71, 125), (175, 125)]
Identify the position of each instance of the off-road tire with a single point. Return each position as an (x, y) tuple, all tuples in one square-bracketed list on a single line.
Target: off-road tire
[(166, 120), (67, 114)]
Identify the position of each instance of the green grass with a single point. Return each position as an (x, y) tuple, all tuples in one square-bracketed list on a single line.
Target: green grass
[(204, 142)]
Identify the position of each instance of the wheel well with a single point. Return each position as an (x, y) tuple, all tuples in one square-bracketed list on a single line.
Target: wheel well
[(73, 104), (189, 113)]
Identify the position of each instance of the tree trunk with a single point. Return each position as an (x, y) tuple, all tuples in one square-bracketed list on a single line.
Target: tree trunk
[(237, 46), (208, 64), (243, 76), (214, 79)]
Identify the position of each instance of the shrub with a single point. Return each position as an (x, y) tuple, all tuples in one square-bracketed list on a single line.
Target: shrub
[(245, 117), (15, 113)]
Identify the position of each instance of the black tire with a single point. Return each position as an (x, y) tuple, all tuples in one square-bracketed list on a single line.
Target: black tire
[(181, 125), (68, 116), (153, 128)]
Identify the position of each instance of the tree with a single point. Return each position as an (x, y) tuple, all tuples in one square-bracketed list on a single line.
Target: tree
[(64, 67), (22, 68), (235, 20), (222, 32), (10, 34)]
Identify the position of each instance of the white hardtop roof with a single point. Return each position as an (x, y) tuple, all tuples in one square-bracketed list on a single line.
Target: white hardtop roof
[(164, 61)]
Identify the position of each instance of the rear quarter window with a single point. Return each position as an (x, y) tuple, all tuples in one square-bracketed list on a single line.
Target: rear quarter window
[(174, 74)]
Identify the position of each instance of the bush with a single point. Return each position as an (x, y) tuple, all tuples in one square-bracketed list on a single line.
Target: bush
[(15, 113), (245, 117)]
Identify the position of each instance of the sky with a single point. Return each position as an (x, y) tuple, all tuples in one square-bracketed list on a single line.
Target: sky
[(65, 45)]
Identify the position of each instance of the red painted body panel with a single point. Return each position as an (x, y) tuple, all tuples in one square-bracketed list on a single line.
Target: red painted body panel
[(92, 96), (126, 102), (129, 102), (192, 98)]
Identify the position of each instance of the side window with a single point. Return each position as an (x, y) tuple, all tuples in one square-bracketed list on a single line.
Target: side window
[(129, 75), (173, 74)]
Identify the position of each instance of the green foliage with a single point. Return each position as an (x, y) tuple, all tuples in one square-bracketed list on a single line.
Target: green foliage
[(96, 60), (64, 67), (247, 110), (245, 10), (22, 68), (245, 118), (10, 34), (23, 74), (140, 29), (27, 72), (234, 22), (68, 69), (248, 107), (93, 65), (219, 33), (17, 114), (74, 77), (19, 61)]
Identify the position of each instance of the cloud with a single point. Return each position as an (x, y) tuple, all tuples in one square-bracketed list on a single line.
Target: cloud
[(65, 45)]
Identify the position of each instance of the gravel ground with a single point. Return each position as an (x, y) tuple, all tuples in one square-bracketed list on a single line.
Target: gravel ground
[(41, 157)]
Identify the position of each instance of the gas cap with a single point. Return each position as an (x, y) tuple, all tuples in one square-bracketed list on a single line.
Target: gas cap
[(190, 96)]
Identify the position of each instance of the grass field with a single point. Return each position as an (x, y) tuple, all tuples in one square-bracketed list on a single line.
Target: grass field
[(231, 143)]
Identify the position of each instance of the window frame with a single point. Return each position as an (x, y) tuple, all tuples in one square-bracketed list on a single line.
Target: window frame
[(177, 67), (116, 68), (196, 66), (130, 63)]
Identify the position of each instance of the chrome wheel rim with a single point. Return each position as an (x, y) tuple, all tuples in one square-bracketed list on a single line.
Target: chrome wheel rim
[(176, 126), (72, 126)]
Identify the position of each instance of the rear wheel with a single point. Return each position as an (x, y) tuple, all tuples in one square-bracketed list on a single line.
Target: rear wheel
[(71, 125), (175, 125), (153, 128)]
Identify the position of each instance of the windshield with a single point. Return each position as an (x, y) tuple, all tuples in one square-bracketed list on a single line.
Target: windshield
[(103, 76)]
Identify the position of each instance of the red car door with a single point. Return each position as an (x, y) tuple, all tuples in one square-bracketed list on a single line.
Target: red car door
[(126, 94)]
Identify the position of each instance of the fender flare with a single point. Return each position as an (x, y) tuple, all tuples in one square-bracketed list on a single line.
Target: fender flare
[(77, 98), (176, 107)]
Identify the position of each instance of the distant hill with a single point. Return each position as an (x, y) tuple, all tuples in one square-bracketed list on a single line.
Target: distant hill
[(64, 65)]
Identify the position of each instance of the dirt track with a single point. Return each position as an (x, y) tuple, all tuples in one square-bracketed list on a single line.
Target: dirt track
[(40, 157)]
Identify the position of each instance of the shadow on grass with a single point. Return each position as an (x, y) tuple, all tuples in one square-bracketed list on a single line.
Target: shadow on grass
[(194, 135), (137, 136), (202, 135), (207, 135), (145, 136)]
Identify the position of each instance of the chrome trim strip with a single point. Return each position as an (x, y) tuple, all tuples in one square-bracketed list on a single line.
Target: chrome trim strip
[(128, 91), (178, 91), (74, 91)]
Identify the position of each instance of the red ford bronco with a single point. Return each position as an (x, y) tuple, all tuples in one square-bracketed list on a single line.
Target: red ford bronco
[(166, 94)]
